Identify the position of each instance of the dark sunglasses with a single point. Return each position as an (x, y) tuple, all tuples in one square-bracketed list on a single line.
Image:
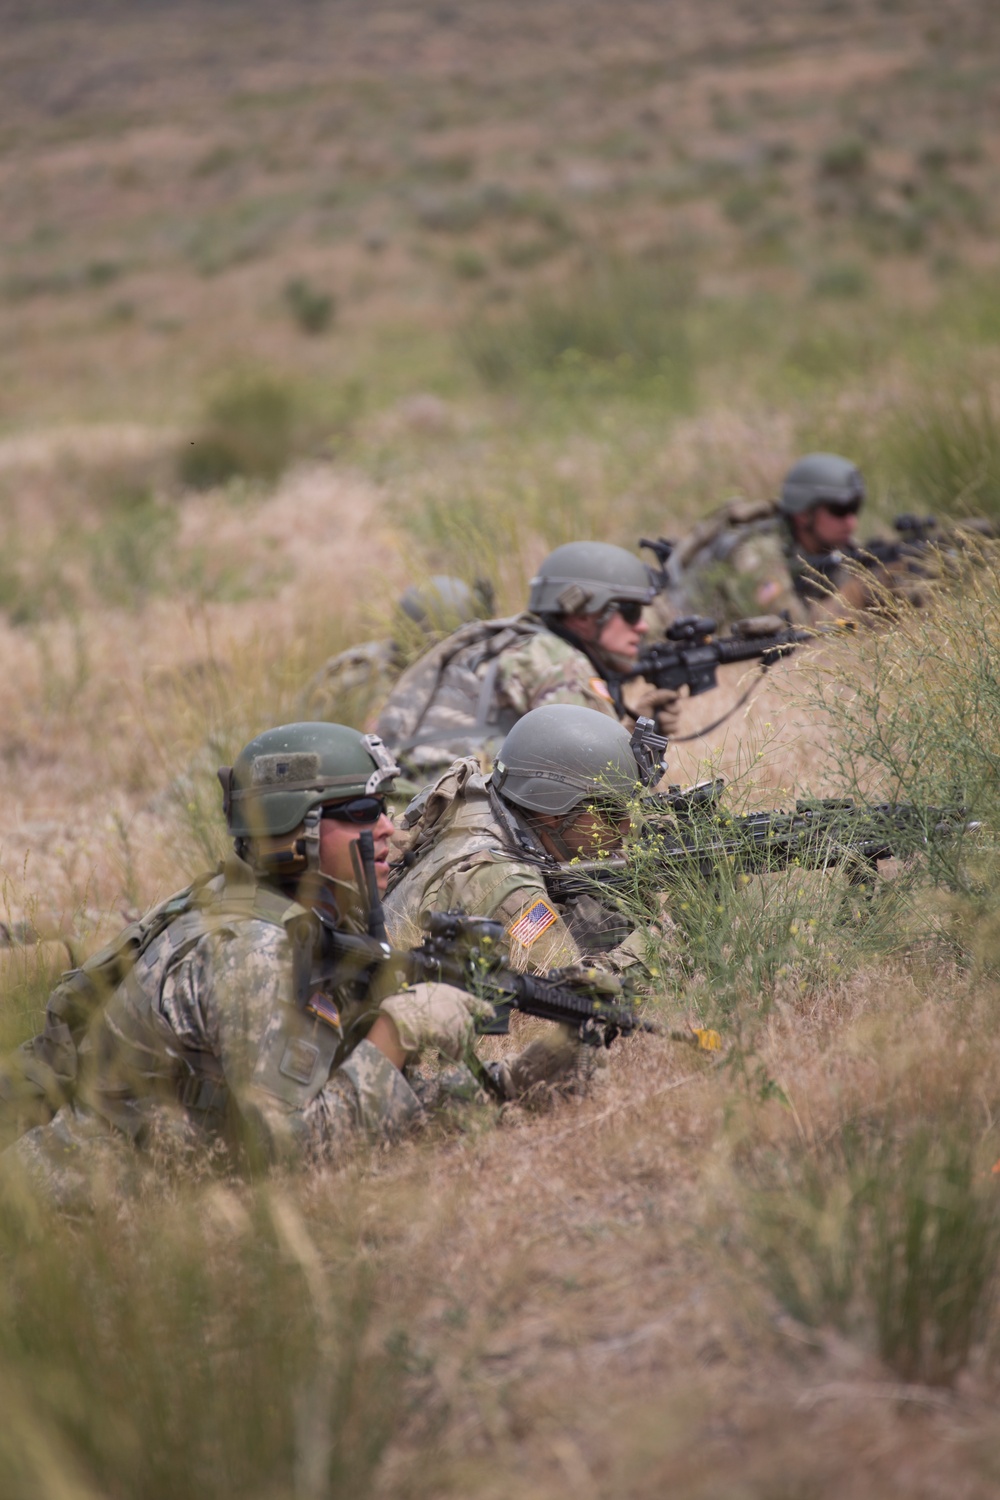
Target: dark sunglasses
[(841, 508), (360, 810), (630, 610)]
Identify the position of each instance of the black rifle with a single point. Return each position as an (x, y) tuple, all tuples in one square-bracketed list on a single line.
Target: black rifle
[(692, 654), (690, 831), (469, 952), (921, 548)]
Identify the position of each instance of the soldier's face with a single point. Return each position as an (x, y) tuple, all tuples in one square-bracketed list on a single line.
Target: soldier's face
[(830, 527), (616, 636), (619, 638), (591, 832), (335, 840)]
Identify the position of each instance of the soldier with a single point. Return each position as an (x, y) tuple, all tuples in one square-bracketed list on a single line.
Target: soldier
[(583, 626), (350, 683), (206, 1037), (560, 789), (753, 557)]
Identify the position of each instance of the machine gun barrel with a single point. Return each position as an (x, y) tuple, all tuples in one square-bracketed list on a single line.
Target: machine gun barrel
[(819, 834)]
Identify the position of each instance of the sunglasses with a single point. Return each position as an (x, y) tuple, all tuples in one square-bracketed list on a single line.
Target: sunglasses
[(630, 610), (841, 508), (360, 810)]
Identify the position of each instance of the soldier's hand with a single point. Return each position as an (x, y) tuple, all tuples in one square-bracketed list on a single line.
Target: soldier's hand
[(643, 701), (435, 1015)]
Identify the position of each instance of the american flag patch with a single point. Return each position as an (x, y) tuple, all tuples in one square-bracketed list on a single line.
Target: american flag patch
[(536, 920)]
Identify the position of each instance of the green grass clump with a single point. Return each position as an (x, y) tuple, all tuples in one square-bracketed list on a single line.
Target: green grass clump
[(843, 279), (311, 308), (891, 1232), (247, 432), (219, 1344), (619, 323), (944, 452)]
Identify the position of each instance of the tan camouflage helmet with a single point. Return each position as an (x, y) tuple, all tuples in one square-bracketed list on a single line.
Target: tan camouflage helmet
[(562, 754), (585, 578), (285, 774), (817, 479)]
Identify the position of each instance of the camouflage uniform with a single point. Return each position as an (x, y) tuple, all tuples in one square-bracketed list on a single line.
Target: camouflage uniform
[(462, 697), (348, 684), (464, 853), (203, 1043), (740, 561)]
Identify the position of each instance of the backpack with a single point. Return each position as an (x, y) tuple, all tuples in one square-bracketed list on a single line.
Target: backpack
[(444, 706), (43, 1074), (713, 541)]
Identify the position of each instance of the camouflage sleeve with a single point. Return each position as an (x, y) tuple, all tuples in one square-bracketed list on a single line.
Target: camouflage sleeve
[(515, 895), (763, 578), (546, 669), (279, 1078)]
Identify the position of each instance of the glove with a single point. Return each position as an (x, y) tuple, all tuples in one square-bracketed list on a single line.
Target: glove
[(643, 701), (435, 1015)]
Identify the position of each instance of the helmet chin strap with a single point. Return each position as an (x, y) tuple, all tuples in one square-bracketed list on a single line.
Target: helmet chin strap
[(310, 838), (555, 834)]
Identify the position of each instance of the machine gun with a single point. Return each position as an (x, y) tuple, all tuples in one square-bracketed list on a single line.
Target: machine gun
[(923, 547), (689, 831)]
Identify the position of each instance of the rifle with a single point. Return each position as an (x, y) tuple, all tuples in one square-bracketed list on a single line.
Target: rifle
[(921, 548), (689, 831), (691, 655), (469, 952)]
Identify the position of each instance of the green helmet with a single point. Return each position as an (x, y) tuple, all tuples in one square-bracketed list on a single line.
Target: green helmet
[(818, 478), (285, 773), (559, 755), (583, 578), (441, 605)]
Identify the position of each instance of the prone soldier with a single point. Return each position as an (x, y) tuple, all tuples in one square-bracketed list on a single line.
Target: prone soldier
[(560, 790), (353, 681), (195, 1029), (583, 625), (753, 557)]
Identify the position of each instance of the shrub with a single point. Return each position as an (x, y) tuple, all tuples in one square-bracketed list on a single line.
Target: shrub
[(311, 308), (846, 158), (840, 280), (248, 431), (891, 1226)]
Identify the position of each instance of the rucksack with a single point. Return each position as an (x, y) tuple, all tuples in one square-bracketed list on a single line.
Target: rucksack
[(445, 705), (43, 1074)]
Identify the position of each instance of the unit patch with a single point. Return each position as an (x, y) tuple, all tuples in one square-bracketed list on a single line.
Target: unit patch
[(530, 926), (600, 689), (299, 1061)]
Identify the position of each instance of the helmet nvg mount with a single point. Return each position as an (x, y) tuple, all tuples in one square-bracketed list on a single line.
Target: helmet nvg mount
[(562, 754), (820, 478), (280, 781), (584, 578)]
